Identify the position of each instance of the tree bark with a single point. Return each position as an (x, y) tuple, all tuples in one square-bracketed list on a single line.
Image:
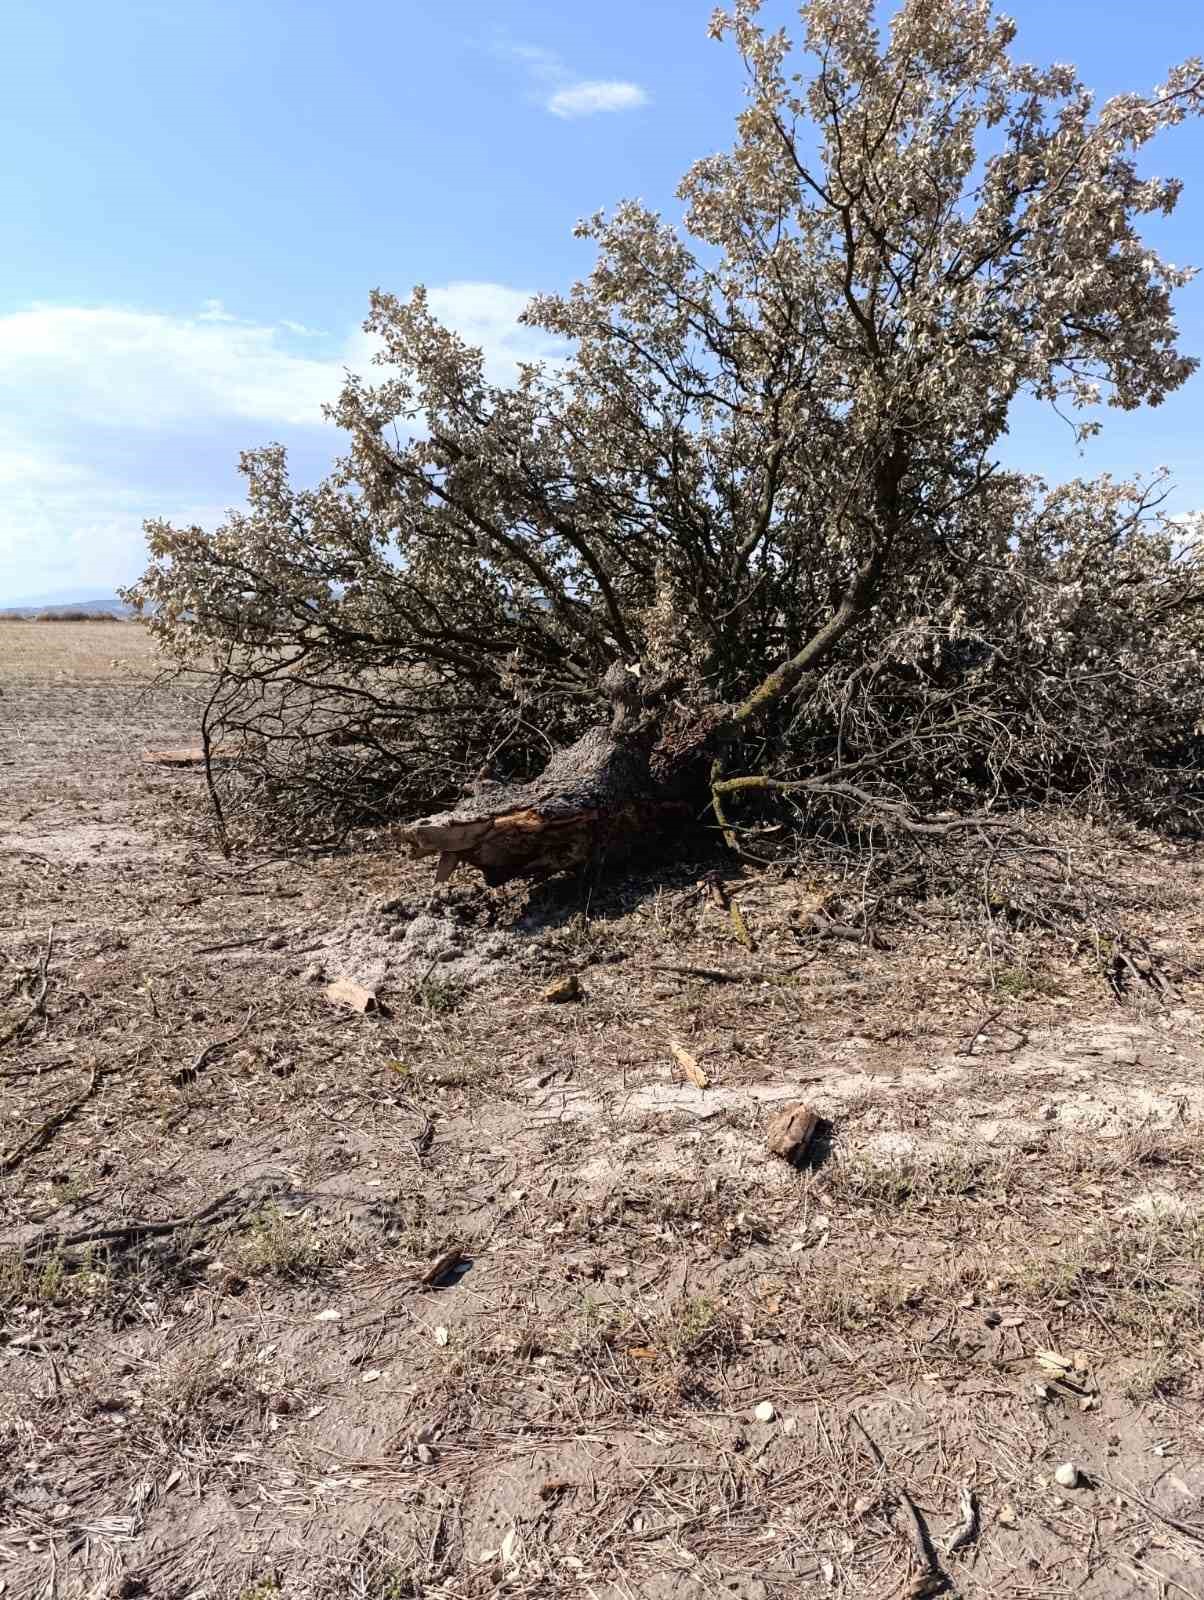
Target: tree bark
[(617, 785), (598, 797)]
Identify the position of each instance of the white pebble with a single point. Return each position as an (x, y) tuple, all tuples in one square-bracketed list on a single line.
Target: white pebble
[(765, 1411), (1068, 1475)]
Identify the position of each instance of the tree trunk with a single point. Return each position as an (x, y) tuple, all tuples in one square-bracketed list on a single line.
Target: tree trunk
[(598, 797), (618, 784)]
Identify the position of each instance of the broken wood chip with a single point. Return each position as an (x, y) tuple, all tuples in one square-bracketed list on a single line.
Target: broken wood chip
[(186, 756), (966, 1530), (346, 992), (553, 1488), (791, 1131), (689, 1065), (562, 989), (447, 863), (443, 1265)]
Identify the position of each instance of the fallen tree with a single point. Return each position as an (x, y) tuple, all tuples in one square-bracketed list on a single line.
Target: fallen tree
[(744, 534)]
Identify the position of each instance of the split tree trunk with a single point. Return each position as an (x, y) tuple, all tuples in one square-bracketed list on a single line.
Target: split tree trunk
[(617, 785), (598, 797)]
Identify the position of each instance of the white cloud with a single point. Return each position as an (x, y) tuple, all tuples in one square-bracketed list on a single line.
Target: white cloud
[(214, 311), (109, 416), (564, 93), (587, 99)]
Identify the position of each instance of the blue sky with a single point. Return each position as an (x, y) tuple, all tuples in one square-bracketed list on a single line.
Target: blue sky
[(199, 195)]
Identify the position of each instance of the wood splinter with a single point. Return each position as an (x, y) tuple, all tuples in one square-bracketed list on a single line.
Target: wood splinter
[(448, 861)]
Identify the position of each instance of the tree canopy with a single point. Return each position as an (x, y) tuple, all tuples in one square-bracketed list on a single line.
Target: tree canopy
[(756, 505)]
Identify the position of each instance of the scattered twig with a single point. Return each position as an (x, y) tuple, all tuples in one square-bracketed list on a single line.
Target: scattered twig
[(967, 1049), (52, 1241), (931, 1580), (42, 1136), (37, 1006), (233, 944), (209, 1052), (1190, 1530)]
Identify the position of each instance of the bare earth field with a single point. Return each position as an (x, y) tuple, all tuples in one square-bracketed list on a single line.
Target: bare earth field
[(665, 1362)]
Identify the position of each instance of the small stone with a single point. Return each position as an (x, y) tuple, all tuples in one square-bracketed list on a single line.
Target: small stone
[(1067, 1475), (1007, 1516), (276, 942), (280, 1404), (425, 1454), (563, 989), (765, 1411), (313, 973)]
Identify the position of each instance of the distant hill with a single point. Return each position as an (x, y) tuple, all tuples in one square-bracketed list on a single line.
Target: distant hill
[(72, 601)]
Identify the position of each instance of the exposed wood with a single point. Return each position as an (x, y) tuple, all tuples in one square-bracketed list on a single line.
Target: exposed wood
[(442, 1266), (689, 1065), (596, 798), (791, 1131), (346, 992), (191, 755)]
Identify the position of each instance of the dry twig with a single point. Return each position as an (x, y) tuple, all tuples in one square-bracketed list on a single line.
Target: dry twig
[(37, 1006), (42, 1135)]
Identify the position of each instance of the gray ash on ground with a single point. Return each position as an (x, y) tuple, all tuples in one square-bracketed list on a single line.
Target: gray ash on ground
[(393, 941)]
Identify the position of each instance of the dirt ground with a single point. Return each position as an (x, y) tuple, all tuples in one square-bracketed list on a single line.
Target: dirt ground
[(664, 1363)]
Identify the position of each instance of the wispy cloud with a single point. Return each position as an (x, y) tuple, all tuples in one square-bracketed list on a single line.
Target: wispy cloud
[(587, 99), (564, 92), (109, 416)]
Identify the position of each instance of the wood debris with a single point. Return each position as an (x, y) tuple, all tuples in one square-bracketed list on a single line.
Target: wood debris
[(791, 1131), (689, 1065), (346, 992), (442, 1266), (563, 989), (966, 1530)]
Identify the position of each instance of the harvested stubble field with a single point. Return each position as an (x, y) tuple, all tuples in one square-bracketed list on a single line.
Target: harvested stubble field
[(666, 1363)]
